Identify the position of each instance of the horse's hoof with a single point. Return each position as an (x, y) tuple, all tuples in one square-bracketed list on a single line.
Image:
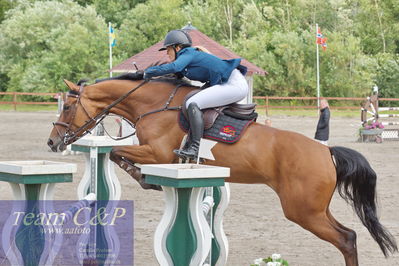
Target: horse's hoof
[(155, 187), (150, 186)]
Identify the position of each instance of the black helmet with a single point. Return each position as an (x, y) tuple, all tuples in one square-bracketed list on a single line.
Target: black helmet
[(175, 37)]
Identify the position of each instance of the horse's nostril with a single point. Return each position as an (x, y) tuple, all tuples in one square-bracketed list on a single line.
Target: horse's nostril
[(50, 142)]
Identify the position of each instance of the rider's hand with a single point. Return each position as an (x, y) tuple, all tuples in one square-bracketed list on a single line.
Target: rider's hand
[(146, 77), (140, 74)]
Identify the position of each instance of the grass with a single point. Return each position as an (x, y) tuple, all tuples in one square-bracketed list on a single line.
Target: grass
[(28, 108)]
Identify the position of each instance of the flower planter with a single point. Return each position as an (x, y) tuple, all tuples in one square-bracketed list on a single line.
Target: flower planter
[(371, 135)]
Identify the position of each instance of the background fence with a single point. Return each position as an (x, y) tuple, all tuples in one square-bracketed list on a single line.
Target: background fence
[(296, 103), (266, 102), (16, 98)]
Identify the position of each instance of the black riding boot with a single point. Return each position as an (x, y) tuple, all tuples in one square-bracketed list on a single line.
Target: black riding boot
[(196, 130)]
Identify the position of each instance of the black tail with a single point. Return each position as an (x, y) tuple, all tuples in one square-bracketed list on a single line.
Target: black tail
[(356, 182)]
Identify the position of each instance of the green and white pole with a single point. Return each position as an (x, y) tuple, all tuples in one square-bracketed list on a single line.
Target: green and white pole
[(183, 236), (100, 178), (32, 182)]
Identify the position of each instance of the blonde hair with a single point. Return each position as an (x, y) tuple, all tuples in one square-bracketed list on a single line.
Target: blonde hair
[(202, 49), (323, 103)]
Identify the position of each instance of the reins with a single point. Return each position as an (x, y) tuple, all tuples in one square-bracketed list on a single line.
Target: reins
[(165, 108), (69, 138)]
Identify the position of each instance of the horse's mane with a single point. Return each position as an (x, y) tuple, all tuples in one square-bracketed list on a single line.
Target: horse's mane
[(82, 82), (124, 76)]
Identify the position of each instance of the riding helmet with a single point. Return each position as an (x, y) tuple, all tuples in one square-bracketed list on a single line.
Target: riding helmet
[(176, 37)]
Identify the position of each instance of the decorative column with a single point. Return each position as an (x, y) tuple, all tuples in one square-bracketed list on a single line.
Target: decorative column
[(183, 237), (100, 178), (32, 183)]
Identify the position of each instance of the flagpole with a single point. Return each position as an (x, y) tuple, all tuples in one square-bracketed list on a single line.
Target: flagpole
[(110, 49), (318, 70)]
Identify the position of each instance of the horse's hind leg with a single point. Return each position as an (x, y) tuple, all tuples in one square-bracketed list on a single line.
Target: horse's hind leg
[(327, 228), (350, 239), (307, 205)]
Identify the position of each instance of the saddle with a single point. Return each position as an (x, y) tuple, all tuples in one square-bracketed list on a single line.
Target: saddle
[(235, 110)]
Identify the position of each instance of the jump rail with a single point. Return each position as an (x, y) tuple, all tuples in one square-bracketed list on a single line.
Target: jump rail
[(371, 107)]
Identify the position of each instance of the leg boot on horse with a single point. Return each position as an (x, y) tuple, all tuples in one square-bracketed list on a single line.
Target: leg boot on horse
[(196, 131)]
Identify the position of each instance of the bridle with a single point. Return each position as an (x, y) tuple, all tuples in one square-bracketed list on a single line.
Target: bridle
[(71, 136)]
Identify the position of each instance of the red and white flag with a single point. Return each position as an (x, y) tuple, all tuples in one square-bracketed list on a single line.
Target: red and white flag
[(321, 40)]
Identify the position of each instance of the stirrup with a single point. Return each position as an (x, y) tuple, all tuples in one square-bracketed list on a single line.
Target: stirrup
[(181, 154)]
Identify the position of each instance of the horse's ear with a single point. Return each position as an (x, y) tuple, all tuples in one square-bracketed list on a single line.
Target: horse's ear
[(71, 85)]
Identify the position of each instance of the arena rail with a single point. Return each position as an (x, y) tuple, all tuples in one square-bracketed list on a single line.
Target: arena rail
[(15, 101), (267, 105), (263, 101)]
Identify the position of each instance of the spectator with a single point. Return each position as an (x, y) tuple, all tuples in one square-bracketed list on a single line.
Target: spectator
[(323, 129)]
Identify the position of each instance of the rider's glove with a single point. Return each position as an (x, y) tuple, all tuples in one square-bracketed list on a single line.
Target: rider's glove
[(140, 74), (146, 77)]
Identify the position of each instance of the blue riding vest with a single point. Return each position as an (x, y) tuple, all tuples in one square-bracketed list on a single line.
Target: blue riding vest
[(200, 66)]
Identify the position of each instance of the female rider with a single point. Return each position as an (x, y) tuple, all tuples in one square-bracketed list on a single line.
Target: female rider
[(225, 80)]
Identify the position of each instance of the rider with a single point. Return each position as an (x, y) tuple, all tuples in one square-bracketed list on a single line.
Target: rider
[(225, 80)]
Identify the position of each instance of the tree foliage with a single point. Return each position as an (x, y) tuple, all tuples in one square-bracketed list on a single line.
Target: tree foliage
[(45, 41), (114, 11), (5, 5), (147, 24)]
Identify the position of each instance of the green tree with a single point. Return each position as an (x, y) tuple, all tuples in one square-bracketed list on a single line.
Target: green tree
[(387, 75), (345, 70), (147, 24), (46, 41), (376, 23), (218, 19), (115, 11), (5, 5)]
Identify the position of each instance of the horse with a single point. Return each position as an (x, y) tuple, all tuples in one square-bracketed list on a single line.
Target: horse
[(303, 172)]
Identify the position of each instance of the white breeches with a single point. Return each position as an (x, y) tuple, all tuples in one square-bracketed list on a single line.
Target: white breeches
[(234, 90)]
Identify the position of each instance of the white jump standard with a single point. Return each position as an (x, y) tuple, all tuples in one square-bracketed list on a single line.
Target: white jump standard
[(32, 182), (100, 178), (183, 237)]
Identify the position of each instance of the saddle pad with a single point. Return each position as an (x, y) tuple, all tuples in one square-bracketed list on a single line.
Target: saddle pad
[(225, 129)]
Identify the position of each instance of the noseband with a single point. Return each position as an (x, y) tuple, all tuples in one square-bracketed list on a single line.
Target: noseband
[(71, 136)]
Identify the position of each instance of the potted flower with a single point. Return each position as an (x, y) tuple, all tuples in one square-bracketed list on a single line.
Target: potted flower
[(371, 131), (274, 260)]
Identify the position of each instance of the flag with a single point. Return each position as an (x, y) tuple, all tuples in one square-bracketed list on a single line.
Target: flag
[(321, 40), (112, 39)]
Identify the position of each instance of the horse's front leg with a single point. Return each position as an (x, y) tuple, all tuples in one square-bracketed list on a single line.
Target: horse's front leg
[(126, 157)]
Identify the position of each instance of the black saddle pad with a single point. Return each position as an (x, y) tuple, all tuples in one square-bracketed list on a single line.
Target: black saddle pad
[(226, 129)]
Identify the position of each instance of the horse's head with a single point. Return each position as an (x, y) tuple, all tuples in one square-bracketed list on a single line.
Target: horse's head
[(75, 120)]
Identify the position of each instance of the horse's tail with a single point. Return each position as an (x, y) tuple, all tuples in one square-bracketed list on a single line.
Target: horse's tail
[(356, 183)]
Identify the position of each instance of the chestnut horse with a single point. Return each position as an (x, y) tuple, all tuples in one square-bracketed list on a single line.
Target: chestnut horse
[(302, 172)]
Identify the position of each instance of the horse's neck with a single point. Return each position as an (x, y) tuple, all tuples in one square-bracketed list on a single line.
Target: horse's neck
[(150, 97)]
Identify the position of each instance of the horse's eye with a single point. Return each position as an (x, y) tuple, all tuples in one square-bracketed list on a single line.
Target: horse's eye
[(66, 107)]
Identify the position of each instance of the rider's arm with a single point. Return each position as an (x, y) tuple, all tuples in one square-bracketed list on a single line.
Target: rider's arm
[(178, 65)]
